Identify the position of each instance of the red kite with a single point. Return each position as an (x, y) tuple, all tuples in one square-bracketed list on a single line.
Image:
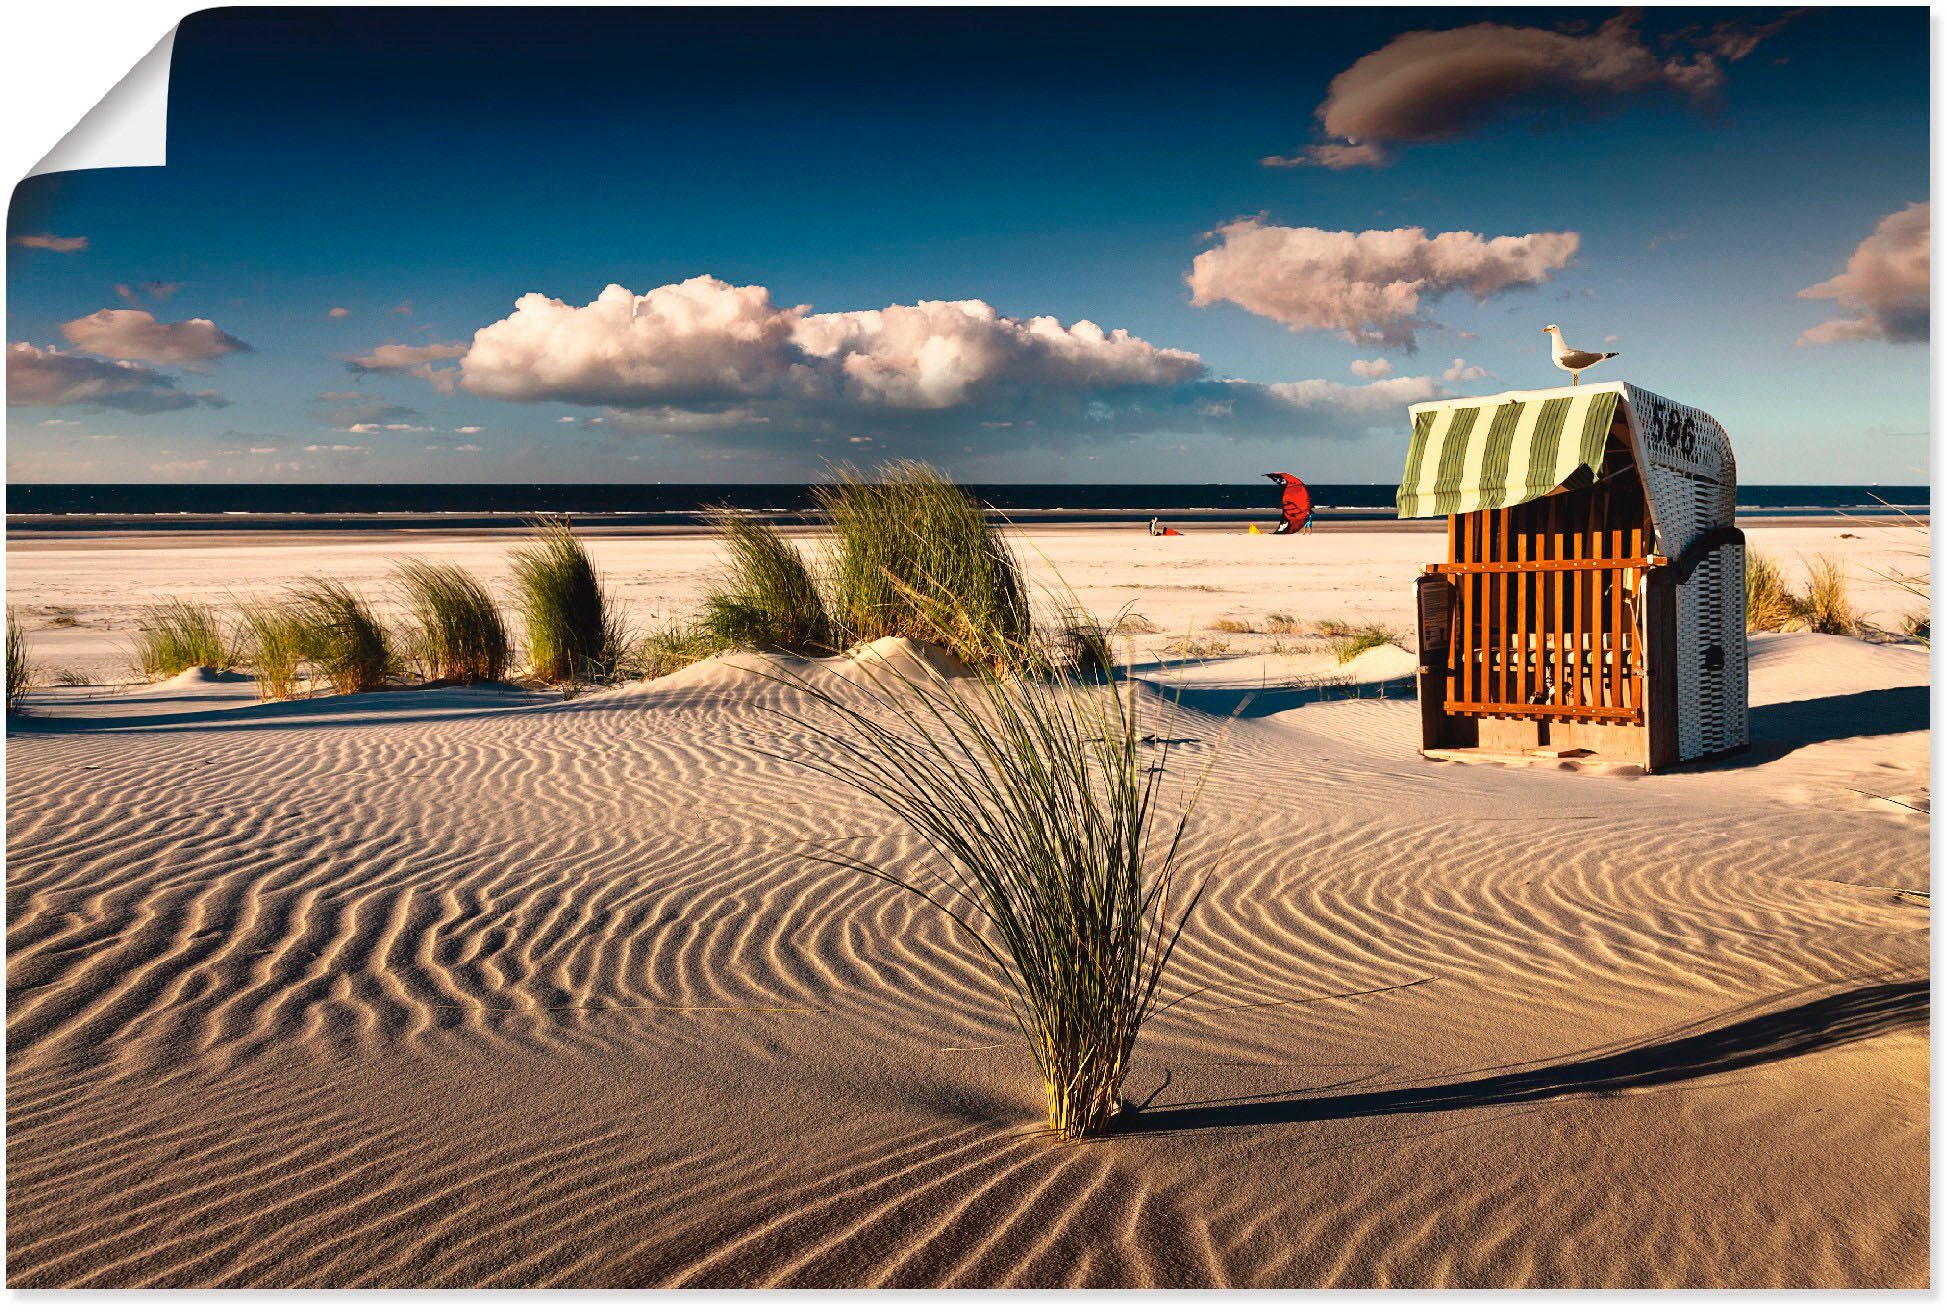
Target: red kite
[(1297, 502)]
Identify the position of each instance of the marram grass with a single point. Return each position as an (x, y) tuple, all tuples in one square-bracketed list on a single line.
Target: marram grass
[(274, 646), (914, 556), (768, 597), (1039, 802), (1768, 602), (573, 633), (459, 636), (1827, 604), (179, 635), (337, 632), (20, 674), (1350, 641)]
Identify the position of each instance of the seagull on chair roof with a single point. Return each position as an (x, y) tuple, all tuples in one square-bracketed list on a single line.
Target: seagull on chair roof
[(1574, 361)]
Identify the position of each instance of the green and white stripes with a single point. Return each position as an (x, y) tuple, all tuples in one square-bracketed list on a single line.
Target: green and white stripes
[(1473, 455)]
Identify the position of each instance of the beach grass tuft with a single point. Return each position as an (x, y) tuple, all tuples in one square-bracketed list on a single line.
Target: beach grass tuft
[(1084, 644), (1768, 601), (339, 635), (274, 647), (769, 598), (574, 634), (1827, 605), (1350, 641), (20, 674), (459, 634), (180, 635), (914, 556), (1038, 799), (673, 647)]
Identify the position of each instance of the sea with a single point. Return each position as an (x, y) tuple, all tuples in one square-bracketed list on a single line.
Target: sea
[(314, 506)]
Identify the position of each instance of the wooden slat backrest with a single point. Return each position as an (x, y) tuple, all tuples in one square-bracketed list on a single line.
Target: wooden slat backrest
[(1546, 606)]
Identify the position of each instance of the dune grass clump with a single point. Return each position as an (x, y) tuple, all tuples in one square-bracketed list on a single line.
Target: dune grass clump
[(20, 674), (1083, 644), (1827, 604), (180, 635), (673, 647), (915, 557), (1230, 625), (274, 648), (1350, 641), (573, 633), (1039, 802), (339, 635), (459, 635), (1768, 601), (769, 598)]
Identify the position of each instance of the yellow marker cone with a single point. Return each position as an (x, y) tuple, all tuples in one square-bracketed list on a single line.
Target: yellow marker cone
[(1254, 529)]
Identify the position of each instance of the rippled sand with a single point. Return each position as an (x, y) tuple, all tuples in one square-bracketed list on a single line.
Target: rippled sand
[(485, 988)]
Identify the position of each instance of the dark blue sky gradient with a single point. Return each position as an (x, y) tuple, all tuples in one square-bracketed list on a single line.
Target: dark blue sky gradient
[(1048, 162)]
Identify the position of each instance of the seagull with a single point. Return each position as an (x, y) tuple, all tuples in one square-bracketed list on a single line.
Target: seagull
[(1567, 357)]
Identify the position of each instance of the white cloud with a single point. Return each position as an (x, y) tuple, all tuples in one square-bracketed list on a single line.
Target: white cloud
[(338, 312), (1385, 399), (47, 241), (727, 372), (704, 343), (139, 335), (1885, 285), (50, 376), (415, 361), (1430, 86), (1462, 372), (1378, 368), (466, 446), (1369, 286), (468, 428), (339, 449)]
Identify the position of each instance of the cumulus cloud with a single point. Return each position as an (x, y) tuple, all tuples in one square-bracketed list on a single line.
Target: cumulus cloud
[(1367, 286), (1428, 86), (47, 241), (51, 376), (1385, 398), (722, 370), (139, 335), (414, 361), (1884, 287), (1378, 368), (337, 312), (1462, 372), (704, 344)]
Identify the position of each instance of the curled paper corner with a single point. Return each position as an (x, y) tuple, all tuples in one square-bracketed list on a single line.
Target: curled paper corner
[(128, 127)]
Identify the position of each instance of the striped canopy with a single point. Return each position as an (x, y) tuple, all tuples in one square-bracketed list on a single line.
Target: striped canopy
[(1483, 453)]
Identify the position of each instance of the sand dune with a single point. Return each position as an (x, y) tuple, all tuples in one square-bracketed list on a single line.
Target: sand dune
[(480, 987)]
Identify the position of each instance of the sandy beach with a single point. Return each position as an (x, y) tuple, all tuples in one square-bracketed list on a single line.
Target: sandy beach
[(485, 987)]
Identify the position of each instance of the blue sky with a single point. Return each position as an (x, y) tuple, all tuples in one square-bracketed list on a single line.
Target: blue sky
[(421, 171)]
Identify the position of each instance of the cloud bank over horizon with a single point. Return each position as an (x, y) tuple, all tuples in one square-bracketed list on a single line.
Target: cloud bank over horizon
[(704, 360)]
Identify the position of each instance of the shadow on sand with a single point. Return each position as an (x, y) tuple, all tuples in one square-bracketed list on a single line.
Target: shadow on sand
[(1730, 1041)]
